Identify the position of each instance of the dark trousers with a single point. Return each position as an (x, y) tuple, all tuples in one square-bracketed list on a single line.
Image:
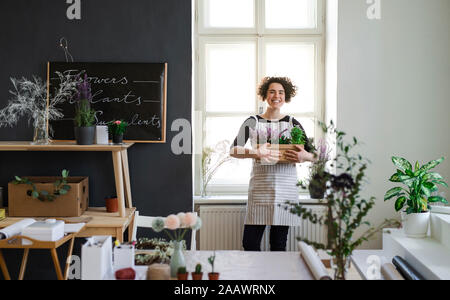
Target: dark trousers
[(253, 235)]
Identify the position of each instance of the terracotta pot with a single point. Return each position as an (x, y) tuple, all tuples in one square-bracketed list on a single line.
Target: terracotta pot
[(112, 204), (182, 276), (213, 276), (197, 276)]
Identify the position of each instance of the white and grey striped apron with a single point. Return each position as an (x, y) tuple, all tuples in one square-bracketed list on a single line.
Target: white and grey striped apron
[(270, 187)]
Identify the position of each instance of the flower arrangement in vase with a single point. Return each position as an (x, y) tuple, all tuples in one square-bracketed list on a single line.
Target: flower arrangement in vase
[(117, 129), (280, 141), (31, 98), (212, 159), (176, 227)]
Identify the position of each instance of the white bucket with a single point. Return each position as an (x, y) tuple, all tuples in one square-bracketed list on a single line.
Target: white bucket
[(416, 225)]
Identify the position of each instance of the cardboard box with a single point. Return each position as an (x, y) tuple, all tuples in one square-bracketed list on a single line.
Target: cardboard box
[(73, 204)]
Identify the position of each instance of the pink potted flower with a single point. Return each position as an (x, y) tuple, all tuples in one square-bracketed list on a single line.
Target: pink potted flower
[(117, 129)]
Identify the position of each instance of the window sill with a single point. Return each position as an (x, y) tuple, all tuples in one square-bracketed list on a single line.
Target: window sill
[(242, 200)]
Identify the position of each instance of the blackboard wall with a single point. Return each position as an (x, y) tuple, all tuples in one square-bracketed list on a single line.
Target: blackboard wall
[(109, 31)]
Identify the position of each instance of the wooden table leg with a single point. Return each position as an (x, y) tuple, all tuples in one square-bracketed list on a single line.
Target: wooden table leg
[(119, 235), (118, 174), (126, 175), (4, 267), (131, 228), (69, 259), (23, 267), (56, 263)]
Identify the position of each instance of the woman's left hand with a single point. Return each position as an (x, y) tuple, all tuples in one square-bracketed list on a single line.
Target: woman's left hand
[(299, 156)]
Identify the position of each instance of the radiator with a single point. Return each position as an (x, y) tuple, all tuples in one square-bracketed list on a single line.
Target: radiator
[(223, 228)]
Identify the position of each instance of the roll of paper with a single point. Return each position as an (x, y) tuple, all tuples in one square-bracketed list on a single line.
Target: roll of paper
[(389, 272), (313, 261), (407, 271), (15, 229), (158, 272)]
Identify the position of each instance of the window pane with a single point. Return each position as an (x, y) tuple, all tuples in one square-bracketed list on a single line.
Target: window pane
[(291, 14), (230, 77), (217, 130), (308, 125), (296, 61), (230, 13)]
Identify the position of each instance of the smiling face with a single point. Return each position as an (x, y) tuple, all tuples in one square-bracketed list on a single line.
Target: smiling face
[(276, 96)]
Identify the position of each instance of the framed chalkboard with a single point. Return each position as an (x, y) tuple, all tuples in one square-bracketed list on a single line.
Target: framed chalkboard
[(134, 92)]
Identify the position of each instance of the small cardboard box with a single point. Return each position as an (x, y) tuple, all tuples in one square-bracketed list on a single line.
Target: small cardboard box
[(73, 204)]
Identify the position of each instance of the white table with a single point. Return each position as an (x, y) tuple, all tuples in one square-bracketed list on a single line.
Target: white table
[(360, 261), (241, 265)]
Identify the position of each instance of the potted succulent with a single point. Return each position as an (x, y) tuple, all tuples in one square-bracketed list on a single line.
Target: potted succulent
[(182, 274), (198, 274), (280, 141), (420, 191), (117, 129), (212, 275), (84, 115)]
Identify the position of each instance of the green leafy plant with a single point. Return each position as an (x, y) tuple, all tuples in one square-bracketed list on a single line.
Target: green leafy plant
[(182, 270), (211, 261), (60, 188), (420, 183), (84, 115), (198, 269), (117, 127), (298, 136), (347, 209)]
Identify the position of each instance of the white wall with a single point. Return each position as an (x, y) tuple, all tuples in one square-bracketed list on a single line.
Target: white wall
[(393, 87)]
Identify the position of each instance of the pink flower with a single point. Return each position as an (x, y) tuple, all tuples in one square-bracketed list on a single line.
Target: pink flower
[(172, 222), (190, 219), (117, 122)]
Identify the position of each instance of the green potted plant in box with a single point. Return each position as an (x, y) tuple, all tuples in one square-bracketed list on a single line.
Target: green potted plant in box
[(280, 141), (117, 129), (421, 186), (84, 115)]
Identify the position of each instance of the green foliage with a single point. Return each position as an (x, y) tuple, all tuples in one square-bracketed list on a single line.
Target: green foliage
[(211, 261), (298, 136), (347, 209), (60, 188), (420, 185), (84, 115), (117, 127), (198, 269), (182, 270)]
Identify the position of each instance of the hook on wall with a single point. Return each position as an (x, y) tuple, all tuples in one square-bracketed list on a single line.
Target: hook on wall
[(64, 44)]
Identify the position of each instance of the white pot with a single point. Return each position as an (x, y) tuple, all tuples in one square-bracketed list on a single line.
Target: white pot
[(416, 225)]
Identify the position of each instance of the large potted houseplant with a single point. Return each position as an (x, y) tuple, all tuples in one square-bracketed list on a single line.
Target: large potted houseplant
[(279, 141), (84, 115), (421, 188)]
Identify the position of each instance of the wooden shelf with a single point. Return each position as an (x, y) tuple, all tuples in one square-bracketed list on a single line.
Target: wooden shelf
[(61, 146)]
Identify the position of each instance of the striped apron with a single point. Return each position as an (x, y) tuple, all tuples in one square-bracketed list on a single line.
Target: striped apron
[(270, 187)]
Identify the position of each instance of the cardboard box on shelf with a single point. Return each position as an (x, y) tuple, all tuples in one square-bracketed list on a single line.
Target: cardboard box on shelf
[(73, 204)]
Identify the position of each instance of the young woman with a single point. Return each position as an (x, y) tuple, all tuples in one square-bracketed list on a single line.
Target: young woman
[(271, 184)]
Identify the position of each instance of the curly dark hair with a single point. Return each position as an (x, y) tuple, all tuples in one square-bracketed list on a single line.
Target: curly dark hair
[(290, 89)]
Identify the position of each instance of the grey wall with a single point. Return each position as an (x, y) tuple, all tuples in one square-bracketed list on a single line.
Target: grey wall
[(109, 31), (394, 86)]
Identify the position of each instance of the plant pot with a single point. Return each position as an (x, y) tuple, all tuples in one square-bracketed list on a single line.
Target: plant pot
[(85, 135), (117, 138), (213, 276), (112, 204), (416, 225), (182, 276), (282, 149), (197, 276), (317, 189)]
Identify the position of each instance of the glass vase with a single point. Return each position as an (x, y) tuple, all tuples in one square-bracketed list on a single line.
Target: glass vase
[(177, 260), (340, 266), (41, 136)]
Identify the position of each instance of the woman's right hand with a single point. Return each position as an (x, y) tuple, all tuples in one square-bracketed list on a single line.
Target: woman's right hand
[(268, 156)]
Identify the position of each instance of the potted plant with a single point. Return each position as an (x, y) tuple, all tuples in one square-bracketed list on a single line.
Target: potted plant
[(84, 115), (112, 204), (280, 141), (117, 129), (182, 274), (421, 187), (198, 274), (318, 176), (212, 275)]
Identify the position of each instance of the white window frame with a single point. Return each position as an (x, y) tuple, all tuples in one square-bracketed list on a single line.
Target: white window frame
[(203, 36)]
